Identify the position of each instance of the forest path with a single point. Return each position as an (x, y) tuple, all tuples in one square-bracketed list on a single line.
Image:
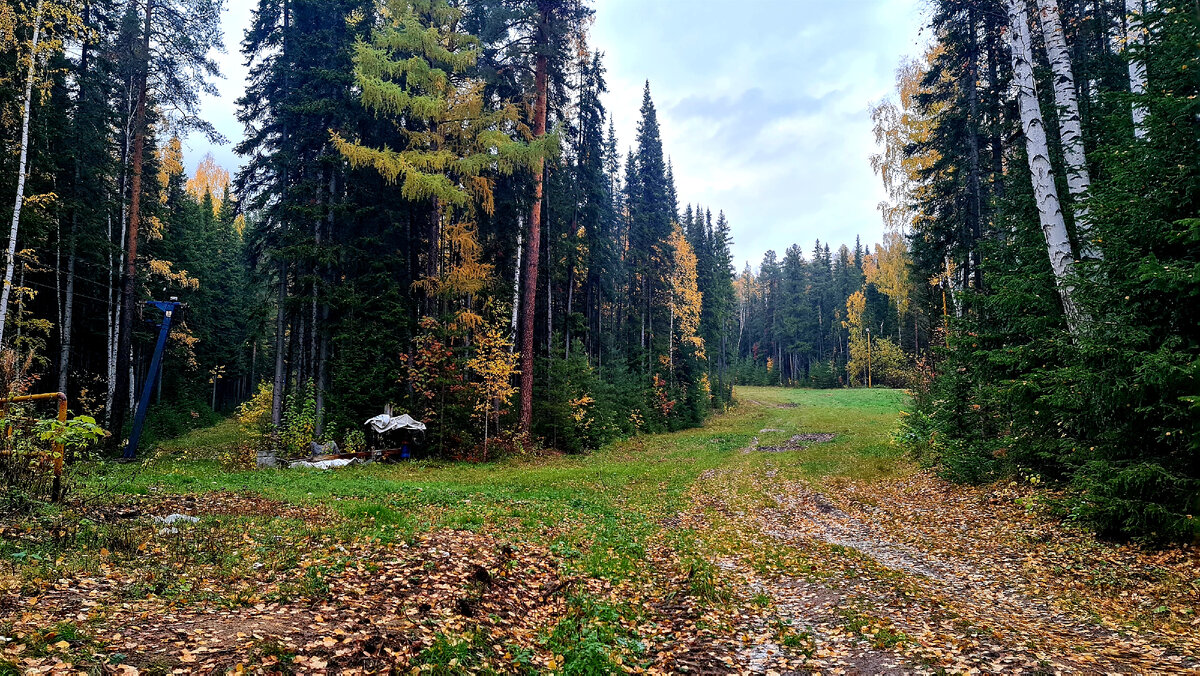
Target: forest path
[(842, 566), (788, 535)]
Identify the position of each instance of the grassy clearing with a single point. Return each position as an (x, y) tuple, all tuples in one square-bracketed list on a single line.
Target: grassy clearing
[(600, 508), (607, 519), (201, 444)]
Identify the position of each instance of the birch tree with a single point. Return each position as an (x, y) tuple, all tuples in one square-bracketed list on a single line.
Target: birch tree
[(10, 254), (1054, 229), (1070, 129), (1134, 33)]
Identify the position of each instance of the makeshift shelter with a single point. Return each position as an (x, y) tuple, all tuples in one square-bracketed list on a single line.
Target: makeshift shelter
[(385, 422), (398, 431)]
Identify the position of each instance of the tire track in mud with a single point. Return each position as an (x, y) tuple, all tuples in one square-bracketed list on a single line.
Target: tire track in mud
[(904, 610), (1019, 631)]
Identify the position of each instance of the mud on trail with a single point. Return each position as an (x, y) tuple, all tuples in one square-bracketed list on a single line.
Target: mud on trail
[(910, 574)]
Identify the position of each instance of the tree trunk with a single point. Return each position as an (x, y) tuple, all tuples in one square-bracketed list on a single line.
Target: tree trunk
[(320, 332), (570, 299), (1134, 34), (516, 309), (535, 234), (114, 318), (10, 258), (129, 280), (111, 314), (433, 254), (68, 312), (280, 381), (68, 317), (1070, 129), (1058, 245), (972, 268), (997, 108), (549, 299)]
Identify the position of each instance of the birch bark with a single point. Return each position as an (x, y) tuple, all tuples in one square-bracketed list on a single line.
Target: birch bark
[(516, 308), (1137, 67), (68, 314), (1070, 129), (10, 258), (1054, 229), (68, 318)]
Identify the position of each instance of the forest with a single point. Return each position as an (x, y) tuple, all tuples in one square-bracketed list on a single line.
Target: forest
[(965, 441), (370, 251), (434, 212)]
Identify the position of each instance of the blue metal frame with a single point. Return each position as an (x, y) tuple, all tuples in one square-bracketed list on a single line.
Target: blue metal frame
[(168, 309)]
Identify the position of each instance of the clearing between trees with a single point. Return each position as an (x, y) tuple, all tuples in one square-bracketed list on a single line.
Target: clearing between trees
[(788, 535)]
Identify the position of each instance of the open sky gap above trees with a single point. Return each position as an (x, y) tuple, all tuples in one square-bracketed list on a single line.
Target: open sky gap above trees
[(434, 212)]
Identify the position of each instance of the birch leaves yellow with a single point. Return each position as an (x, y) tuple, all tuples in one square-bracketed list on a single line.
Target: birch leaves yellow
[(685, 298)]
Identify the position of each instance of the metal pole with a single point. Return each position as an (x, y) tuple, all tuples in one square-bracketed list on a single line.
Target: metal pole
[(139, 420), (56, 448)]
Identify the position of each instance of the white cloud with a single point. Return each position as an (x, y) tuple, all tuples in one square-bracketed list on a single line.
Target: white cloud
[(764, 109), (221, 110), (763, 105)]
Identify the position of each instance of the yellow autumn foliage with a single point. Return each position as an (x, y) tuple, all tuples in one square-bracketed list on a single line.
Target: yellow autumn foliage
[(686, 298), (209, 178)]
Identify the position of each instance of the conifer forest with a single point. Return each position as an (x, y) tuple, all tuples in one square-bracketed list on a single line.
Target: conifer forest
[(660, 422)]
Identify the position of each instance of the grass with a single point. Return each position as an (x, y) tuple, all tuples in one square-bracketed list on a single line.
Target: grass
[(203, 443), (598, 514), (597, 510), (603, 505)]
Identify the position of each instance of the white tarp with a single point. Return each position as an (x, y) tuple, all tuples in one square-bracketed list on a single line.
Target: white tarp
[(325, 464), (386, 423)]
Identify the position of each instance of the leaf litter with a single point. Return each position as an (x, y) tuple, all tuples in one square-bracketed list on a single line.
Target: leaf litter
[(754, 572), (919, 576)]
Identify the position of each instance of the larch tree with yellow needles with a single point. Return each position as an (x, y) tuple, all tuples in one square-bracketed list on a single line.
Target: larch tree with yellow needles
[(415, 70)]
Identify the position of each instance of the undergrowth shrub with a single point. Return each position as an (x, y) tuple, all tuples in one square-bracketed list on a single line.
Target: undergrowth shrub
[(580, 410), (299, 424)]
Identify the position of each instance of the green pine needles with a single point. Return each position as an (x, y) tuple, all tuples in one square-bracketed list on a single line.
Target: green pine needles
[(415, 70)]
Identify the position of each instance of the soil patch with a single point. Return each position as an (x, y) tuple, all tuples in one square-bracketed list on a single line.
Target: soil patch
[(799, 442), (216, 503)]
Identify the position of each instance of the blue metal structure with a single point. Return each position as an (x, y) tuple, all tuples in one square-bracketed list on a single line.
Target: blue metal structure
[(168, 307)]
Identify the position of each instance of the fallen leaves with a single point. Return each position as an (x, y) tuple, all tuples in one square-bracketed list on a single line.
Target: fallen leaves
[(746, 572), (923, 575)]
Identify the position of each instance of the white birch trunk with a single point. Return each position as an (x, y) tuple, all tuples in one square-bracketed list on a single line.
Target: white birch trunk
[(114, 323), (1054, 229), (68, 317), (1070, 128), (115, 320), (111, 371), (1134, 33), (10, 258)]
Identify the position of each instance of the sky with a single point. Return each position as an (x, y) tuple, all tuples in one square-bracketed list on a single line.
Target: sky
[(763, 105)]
